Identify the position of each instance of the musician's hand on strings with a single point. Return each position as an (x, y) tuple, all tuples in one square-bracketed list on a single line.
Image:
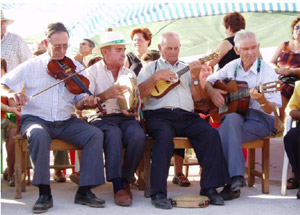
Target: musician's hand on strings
[(165, 74), (19, 98), (217, 96), (259, 97)]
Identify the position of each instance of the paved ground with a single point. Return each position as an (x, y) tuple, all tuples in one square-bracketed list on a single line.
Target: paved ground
[(251, 202)]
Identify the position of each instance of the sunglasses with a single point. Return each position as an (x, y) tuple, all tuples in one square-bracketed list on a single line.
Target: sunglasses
[(296, 27)]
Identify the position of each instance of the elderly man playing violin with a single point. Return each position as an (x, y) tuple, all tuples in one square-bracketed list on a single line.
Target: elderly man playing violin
[(121, 129), (50, 115)]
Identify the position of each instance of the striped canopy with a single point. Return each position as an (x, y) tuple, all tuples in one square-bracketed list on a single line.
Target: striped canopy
[(84, 20)]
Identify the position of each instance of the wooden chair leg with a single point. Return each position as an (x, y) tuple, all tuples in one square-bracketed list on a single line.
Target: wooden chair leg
[(266, 166), (251, 167), (18, 169), (147, 167), (187, 170)]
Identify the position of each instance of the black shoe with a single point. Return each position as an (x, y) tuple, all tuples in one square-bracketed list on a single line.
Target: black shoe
[(43, 203), (89, 199), (160, 200), (227, 194), (213, 195), (237, 183), (298, 194)]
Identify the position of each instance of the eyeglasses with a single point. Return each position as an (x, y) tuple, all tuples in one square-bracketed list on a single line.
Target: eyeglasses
[(296, 27), (59, 47)]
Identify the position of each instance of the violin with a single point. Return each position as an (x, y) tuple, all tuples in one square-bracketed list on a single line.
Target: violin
[(61, 69), (65, 71)]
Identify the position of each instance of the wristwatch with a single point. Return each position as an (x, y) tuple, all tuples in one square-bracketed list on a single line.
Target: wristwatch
[(196, 82)]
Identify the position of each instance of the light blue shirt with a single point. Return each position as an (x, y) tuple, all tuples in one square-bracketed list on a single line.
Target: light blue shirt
[(55, 104), (178, 97)]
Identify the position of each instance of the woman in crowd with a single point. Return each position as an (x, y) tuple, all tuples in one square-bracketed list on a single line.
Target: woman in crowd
[(141, 38), (286, 61), (233, 22)]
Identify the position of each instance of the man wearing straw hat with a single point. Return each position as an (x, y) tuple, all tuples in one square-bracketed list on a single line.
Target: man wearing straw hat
[(121, 129), (13, 48)]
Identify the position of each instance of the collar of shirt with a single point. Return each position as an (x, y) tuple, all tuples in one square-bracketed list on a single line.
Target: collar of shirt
[(252, 69), (168, 63)]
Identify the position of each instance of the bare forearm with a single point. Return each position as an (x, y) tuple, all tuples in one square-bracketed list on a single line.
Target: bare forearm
[(295, 114), (147, 86)]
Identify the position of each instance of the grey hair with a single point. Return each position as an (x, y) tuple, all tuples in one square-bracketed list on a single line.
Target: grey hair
[(167, 34), (241, 35)]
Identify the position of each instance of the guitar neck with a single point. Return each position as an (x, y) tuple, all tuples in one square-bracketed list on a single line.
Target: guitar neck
[(202, 60), (237, 95), (182, 71)]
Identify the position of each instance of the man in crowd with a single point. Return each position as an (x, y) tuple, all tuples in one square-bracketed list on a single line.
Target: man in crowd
[(50, 115), (120, 127), (172, 115), (258, 122)]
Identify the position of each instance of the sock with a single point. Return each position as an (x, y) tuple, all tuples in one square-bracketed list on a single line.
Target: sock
[(45, 189), (83, 190), (124, 180), (117, 184)]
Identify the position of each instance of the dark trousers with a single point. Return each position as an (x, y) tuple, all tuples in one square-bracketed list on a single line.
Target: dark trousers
[(165, 124), (292, 144), (39, 134), (120, 132)]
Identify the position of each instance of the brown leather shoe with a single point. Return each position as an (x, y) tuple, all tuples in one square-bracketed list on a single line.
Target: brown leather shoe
[(59, 176), (127, 188), (122, 198)]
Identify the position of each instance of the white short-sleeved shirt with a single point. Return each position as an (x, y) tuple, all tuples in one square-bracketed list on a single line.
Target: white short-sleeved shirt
[(14, 50), (101, 79), (179, 97), (55, 104), (252, 77)]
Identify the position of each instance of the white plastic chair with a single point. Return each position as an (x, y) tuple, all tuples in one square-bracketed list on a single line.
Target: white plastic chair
[(288, 126)]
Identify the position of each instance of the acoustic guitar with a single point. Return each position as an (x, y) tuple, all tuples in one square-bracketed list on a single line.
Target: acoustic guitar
[(238, 97), (163, 87)]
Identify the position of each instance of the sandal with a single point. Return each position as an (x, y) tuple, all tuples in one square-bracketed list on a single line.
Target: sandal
[(293, 183), (181, 180)]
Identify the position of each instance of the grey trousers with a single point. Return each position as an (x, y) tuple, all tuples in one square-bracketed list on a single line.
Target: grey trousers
[(121, 132), (76, 131), (236, 129)]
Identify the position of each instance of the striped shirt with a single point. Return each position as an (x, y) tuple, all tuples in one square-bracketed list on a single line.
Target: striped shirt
[(55, 104), (14, 50)]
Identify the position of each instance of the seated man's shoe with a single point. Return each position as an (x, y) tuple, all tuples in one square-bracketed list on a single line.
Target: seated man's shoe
[(127, 189), (238, 182), (59, 176), (227, 194), (122, 198), (89, 199), (161, 201), (74, 177), (213, 195), (298, 194), (43, 203)]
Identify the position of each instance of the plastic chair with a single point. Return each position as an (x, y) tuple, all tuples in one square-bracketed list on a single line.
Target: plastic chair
[(288, 126)]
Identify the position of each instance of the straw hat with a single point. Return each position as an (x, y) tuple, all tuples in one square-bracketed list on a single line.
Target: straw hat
[(3, 18), (109, 39)]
